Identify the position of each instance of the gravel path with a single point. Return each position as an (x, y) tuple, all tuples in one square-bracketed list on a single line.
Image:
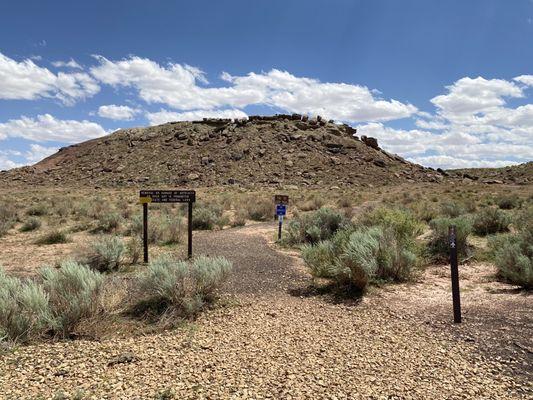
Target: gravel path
[(270, 344)]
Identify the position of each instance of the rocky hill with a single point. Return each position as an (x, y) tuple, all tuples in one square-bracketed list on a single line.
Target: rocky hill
[(272, 150), (520, 174)]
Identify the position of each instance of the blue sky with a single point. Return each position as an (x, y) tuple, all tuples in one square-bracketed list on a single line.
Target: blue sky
[(443, 83)]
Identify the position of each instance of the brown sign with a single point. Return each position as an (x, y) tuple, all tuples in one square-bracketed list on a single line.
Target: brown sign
[(167, 196), (281, 199)]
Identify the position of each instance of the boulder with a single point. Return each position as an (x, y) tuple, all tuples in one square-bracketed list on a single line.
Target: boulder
[(370, 141)]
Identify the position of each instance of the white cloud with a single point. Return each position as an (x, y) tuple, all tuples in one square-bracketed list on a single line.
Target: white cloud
[(120, 113), (178, 86), (67, 64), (25, 80), (525, 79), (47, 128), (6, 163), (450, 162), (468, 97), (37, 152), (163, 116)]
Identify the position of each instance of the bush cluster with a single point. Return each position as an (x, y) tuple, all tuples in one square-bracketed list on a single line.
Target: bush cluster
[(56, 306), (490, 220), (53, 237), (183, 287), (104, 254), (207, 216), (31, 224), (8, 217), (259, 209), (384, 249), (315, 226), (513, 252), (438, 246)]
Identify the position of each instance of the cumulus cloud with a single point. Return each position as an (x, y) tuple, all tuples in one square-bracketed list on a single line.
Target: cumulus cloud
[(163, 116), (525, 79), (179, 86), (45, 128), (37, 152), (25, 80), (67, 64), (6, 163), (119, 113)]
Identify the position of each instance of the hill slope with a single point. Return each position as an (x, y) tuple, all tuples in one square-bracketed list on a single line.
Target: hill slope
[(274, 150)]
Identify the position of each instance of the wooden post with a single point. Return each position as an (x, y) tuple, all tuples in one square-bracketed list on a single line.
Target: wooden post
[(189, 223), (455, 275), (280, 218), (145, 231)]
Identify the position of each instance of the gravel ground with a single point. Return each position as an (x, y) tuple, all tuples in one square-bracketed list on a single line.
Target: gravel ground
[(267, 343)]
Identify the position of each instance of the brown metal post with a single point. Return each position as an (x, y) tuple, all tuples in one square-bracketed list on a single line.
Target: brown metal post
[(455, 275), (189, 223), (145, 231)]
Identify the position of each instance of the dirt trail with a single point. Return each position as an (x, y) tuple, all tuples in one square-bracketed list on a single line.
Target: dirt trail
[(274, 344)]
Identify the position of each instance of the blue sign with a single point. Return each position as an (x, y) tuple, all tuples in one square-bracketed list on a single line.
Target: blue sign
[(281, 209)]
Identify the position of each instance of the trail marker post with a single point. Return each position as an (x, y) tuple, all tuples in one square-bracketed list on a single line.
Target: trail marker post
[(452, 239), (166, 196), (281, 201)]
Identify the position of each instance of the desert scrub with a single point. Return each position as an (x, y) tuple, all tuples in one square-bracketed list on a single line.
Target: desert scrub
[(73, 291), (512, 253), (314, 202), (239, 219), (24, 309), (206, 216), (31, 224), (63, 298), (508, 202), (181, 286), (452, 209), (259, 209), (405, 225), (438, 247), (53, 237), (108, 222), (105, 254), (356, 258), (314, 227), (490, 220), (39, 210), (8, 217)]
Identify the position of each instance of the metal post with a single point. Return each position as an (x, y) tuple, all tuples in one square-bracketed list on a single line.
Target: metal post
[(145, 231), (455, 275), (280, 219), (189, 240)]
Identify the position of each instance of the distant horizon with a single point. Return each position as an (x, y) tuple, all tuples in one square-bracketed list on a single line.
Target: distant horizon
[(444, 85)]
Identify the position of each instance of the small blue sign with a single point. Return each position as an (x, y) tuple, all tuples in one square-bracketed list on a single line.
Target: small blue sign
[(281, 209)]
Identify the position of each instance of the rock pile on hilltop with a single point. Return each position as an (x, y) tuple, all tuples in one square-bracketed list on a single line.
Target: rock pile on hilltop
[(258, 151)]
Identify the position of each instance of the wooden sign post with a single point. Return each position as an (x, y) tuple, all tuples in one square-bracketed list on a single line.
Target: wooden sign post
[(167, 196), (281, 201), (452, 238)]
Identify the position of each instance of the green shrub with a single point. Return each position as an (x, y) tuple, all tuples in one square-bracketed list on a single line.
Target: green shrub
[(513, 256), (156, 225), (24, 309), (259, 209), (314, 202), (182, 286), (314, 227), (8, 217), (53, 237), (452, 209), (38, 210), (357, 258), (172, 228), (489, 221), (405, 226), (239, 218), (109, 222), (438, 246), (320, 258), (73, 290), (105, 254), (205, 216), (31, 224), (134, 249), (508, 202)]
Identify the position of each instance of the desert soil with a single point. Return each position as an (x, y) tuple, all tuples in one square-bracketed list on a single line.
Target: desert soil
[(273, 337)]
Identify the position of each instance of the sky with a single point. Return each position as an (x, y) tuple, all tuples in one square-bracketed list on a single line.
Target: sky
[(442, 83)]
